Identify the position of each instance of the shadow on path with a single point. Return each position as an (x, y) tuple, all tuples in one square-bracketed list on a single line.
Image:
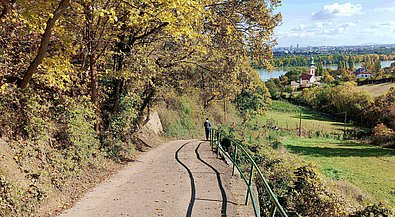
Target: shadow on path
[(223, 193), (193, 188), (212, 200)]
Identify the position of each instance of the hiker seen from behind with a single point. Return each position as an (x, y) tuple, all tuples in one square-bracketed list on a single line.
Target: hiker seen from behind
[(207, 126)]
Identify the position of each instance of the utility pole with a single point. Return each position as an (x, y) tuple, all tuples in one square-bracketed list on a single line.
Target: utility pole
[(300, 124), (344, 125)]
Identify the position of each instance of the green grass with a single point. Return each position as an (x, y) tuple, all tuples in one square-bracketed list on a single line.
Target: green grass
[(377, 89), (370, 168), (286, 115)]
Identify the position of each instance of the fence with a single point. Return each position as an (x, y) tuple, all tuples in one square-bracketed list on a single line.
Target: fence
[(247, 168)]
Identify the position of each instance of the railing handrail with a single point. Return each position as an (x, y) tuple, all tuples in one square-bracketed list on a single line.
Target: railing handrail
[(238, 146)]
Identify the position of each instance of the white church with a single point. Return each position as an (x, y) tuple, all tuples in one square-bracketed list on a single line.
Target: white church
[(309, 79)]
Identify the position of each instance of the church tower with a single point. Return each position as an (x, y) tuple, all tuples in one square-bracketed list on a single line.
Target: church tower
[(312, 67)]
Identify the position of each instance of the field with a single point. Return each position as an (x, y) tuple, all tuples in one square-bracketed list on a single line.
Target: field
[(377, 89), (286, 115), (370, 168)]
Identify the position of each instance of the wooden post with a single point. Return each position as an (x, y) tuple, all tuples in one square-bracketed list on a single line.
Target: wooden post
[(345, 122), (300, 124)]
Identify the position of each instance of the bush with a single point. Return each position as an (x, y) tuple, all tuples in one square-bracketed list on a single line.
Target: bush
[(337, 100), (81, 131), (300, 190), (373, 210), (51, 141), (382, 135)]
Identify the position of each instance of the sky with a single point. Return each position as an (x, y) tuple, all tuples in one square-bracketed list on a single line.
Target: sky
[(336, 23)]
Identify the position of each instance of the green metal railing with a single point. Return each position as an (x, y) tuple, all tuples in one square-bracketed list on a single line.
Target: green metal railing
[(243, 162)]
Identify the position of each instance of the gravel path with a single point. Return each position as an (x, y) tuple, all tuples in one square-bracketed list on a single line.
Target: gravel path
[(180, 178)]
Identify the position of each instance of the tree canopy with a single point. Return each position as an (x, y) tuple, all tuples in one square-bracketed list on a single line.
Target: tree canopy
[(109, 49)]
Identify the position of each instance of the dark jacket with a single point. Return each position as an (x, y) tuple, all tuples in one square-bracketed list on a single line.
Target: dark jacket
[(207, 125)]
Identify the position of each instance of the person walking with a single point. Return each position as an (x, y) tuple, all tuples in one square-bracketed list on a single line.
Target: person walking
[(207, 126)]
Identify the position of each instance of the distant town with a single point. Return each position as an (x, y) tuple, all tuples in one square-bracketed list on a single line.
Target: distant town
[(323, 50)]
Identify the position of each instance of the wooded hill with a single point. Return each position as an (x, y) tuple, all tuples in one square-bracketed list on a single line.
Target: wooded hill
[(78, 77)]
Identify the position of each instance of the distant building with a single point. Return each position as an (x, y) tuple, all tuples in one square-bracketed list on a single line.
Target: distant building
[(309, 79), (312, 67), (295, 85), (362, 73)]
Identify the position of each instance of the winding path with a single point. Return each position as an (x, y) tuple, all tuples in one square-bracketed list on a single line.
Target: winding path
[(180, 178)]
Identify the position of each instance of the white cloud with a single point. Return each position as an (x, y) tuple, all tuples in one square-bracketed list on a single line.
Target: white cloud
[(388, 24), (299, 34), (299, 28), (318, 30), (322, 24), (390, 9), (337, 10), (347, 25)]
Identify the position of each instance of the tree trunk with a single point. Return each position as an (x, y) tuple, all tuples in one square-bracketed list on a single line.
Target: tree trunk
[(118, 85), (94, 90), (149, 93), (44, 44), (117, 95), (92, 66)]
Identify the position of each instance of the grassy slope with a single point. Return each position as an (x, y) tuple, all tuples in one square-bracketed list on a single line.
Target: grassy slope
[(368, 167), (183, 117), (377, 89), (286, 115)]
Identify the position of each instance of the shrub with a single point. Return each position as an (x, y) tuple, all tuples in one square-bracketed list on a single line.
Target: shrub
[(81, 131), (300, 190), (373, 210), (382, 135)]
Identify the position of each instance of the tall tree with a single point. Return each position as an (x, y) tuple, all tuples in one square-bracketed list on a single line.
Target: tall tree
[(45, 39)]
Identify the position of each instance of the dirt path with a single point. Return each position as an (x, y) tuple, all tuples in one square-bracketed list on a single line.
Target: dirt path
[(180, 178)]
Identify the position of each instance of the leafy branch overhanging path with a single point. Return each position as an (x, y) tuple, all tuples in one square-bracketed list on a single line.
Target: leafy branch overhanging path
[(180, 178)]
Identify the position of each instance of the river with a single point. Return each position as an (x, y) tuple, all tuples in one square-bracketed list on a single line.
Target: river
[(277, 72)]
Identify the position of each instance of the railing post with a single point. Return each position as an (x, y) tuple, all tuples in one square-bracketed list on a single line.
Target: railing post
[(277, 209), (211, 138), (234, 158), (249, 183), (218, 138), (273, 212)]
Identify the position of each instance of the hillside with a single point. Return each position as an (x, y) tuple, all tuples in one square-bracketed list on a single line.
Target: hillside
[(367, 167), (287, 116), (377, 89), (79, 79)]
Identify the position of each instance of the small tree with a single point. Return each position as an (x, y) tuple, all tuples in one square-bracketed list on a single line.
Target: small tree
[(252, 102)]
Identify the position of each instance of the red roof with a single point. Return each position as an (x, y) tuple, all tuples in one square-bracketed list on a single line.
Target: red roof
[(305, 77)]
